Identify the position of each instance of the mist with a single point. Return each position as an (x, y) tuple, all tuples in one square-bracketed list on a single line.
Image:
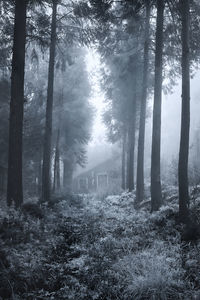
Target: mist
[(99, 149)]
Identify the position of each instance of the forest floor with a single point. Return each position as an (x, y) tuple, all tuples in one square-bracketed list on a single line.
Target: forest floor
[(90, 247)]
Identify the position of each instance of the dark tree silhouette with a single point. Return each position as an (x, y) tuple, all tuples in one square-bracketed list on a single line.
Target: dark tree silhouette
[(14, 184), (141, 138), (56, 178), (46, 177), (185, 116), (131, 149), (156, 134), (124, 138)]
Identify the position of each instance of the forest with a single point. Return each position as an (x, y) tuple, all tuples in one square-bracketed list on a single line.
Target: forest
[(99, 149)]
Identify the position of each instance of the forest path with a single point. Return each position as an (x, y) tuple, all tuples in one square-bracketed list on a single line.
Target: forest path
[(113, 248), (87, 247), (123, 252)]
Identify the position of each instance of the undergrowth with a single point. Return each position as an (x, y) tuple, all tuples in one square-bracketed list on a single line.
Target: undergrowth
[(87, 247)]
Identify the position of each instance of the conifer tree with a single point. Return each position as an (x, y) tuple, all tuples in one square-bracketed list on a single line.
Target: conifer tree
[(46, 168), (185, 115), (156, 194), (14, 183)]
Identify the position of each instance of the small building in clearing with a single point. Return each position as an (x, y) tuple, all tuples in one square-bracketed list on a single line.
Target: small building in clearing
[(104, 176)]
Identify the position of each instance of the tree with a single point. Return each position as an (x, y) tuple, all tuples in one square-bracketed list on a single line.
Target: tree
[(121, 114), (156, 194), (124, 137), (185, 115), (46, 178), (131, 133), (141, 138), (14, 184), (56, 178), (72, 113)]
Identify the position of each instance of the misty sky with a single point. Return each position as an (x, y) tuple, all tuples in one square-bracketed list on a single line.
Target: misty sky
[(171, 115), (100, 149)]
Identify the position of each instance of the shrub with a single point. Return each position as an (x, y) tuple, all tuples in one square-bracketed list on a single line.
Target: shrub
[(69, 199), (154, 273), (33, 209)]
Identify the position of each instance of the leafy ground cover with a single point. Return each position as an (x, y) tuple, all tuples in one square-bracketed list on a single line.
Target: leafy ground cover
[(85, 247)]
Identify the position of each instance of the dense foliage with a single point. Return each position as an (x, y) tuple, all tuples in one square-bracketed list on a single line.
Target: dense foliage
[(84, 248)]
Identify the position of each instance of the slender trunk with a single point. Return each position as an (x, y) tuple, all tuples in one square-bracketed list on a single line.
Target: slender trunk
[(54, 173), (127, 159), (130, 160), (39, 176), (185, 116), (46, 168), (56, 181), (58, 170), (14, 183), (141, 138), (131, 147), (124, 160), (131, 135), (156, 195), (58, 140)]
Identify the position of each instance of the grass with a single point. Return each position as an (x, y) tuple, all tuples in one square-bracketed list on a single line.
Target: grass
[(153, 273), (89, 247)]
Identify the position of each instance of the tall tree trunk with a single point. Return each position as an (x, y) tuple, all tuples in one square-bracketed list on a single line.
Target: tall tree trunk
[(54, 172), (56, 182), (124, 159), (127, 159), (185, 116), (46, 168), (156, 195), (58, 170), (131, 135), (39, 175), (14, 183), (58, 186), (131, 146), (131, 150), (141, 138)]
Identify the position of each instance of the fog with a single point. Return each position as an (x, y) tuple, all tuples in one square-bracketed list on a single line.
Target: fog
[(100, 149), (171, 118)]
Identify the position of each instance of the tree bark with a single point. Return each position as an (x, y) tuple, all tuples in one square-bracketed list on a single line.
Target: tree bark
[(124, 159), (141, 138), (58, 169), (156, 195), (131, 141), (185, 115), (131, 134), (56, 183), (39, 176), (46, 168), (131, 150), (15, 182)]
